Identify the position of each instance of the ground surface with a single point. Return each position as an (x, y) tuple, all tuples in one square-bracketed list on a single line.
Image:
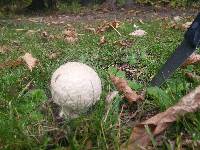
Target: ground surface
[(29, 120)]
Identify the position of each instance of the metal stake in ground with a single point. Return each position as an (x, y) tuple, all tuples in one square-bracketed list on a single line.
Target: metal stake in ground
[(188, 46)]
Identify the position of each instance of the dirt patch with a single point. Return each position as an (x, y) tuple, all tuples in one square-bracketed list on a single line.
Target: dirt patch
[(94, 16)]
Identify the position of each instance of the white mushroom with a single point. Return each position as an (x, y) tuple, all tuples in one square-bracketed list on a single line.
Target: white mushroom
[(75, 87)]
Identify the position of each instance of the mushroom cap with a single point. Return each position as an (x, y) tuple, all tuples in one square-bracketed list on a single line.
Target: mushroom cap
[(75, 87)]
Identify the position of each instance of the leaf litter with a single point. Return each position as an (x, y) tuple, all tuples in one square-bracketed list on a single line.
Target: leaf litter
[(122, 86), (27, 58), (193, 59), (11, 63), (144, 131), (70, 35), (102, 40), (30, 61), (108, 26)]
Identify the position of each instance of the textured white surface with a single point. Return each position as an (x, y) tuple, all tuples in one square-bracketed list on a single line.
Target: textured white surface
[(75, 87)]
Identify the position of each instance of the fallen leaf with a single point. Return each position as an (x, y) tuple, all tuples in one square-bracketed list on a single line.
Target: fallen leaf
[(173, 24), (108, 25), (138, 32), (30, 60), (115, 24), (102, 40), (194, 58), (104, 27), (177, 18), (122, 86), (158, 123), (70, 35), (186, 25)]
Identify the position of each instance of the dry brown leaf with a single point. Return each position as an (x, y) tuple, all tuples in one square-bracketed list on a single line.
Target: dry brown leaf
[(108, 25), (122, 86), (174, 25), (115, 24), (177, 18), (102, 40), (158, 123), (11, 63), (194, 58), (30, 61), (70, 35), (104, 27), (186, 25)]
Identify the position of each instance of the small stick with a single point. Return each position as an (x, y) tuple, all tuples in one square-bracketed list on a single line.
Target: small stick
[(24, 89), (115, 29)]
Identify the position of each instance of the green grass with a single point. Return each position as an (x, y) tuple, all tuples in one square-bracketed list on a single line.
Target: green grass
[(24, 126)]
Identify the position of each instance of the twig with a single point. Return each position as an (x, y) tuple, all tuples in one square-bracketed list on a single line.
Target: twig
[(24, 89), (116, 30)]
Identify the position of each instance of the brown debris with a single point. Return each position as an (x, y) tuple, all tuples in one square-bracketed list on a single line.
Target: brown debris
[(158, 123), (122, 86), (123, 43), (70, 35), (194, 58), (107, 26), (11, 63), (30, 61), (102, 40), (53, 55)]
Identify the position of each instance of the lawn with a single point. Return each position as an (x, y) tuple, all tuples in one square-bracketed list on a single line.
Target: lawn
[(27, 120)]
